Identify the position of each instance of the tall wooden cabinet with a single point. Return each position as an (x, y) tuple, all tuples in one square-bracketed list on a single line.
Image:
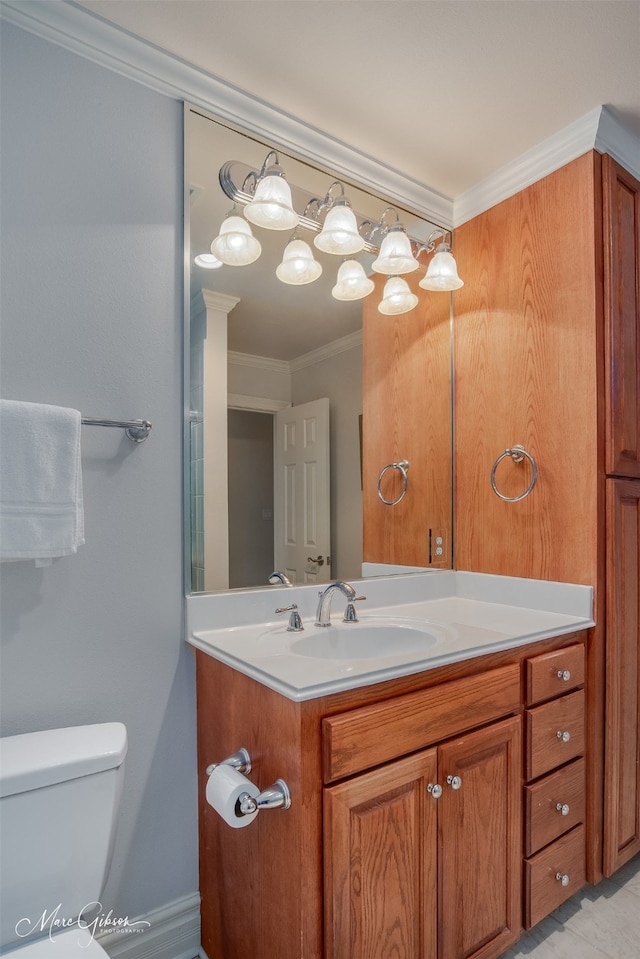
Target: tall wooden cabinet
[(547, 339)]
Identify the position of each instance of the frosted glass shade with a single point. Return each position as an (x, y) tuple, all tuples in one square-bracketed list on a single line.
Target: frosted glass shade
[(298, 265), (395, 255), (397, 297), (236, 245), (352, 282), (207, 261), (339, 234), (271, 206), (442, 272)]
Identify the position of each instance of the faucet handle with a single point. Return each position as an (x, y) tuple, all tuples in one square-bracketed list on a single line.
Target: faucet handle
[(350, 611), (295, 623)]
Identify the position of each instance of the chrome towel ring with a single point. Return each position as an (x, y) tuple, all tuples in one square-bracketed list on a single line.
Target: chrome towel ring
[(402, 466), (517, 453)]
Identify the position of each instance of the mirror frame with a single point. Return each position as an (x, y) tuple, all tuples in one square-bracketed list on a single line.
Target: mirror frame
[(309, 146)]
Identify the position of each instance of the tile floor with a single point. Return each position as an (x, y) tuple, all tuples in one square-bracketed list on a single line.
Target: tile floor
[(599, 922)]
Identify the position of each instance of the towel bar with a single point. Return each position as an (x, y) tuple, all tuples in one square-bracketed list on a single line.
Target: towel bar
[(136, 430)]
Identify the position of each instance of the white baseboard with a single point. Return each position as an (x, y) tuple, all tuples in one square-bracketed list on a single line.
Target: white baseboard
[(173, 933)]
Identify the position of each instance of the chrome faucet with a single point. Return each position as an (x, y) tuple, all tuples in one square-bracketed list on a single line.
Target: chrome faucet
[(323, 613), (278, 577)]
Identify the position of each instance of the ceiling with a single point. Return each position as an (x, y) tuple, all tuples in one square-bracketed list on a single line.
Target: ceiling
[(445, 92)]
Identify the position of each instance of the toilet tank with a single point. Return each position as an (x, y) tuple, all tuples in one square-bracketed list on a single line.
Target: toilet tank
[(59, 796)]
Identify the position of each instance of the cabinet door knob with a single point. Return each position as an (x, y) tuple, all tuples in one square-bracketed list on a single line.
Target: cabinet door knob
[(564, 879), (564, 675), (435, 789), (454, 781), (563, 808), (564, 735)]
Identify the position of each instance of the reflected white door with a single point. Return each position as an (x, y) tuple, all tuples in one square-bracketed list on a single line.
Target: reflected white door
[(302, 533)]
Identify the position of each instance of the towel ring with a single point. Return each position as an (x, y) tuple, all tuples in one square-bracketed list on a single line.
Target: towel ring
[(402, 466), (517, 453)]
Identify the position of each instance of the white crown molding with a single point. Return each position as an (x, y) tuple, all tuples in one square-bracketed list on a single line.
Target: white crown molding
[(618, 141), (266, 363), (85, 33), (351, 341), (550, 155)]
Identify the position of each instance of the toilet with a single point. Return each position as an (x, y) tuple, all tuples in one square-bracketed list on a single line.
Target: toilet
[(59, 796)]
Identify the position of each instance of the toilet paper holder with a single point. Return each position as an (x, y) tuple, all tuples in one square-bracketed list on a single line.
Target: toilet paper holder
[(276, 796)]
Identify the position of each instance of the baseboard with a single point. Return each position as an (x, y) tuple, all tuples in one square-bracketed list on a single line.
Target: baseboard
[(173, 933)]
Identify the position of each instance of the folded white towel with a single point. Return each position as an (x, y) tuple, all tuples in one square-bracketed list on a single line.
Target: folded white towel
[(41, 512)]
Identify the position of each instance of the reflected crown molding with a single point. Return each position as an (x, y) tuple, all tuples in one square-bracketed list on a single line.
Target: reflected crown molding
[(352, 341), (85, 33)]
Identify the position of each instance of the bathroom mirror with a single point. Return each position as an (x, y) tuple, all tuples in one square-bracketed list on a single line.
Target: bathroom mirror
[(263, 352)]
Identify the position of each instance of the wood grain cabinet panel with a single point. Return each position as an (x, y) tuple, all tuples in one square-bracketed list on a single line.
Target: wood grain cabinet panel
[(621, 193), (622, 752), (553, 805), (555, 734), (553, 875), (554, 673)]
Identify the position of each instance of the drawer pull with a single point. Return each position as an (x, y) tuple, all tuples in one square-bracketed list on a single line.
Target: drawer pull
[(564, 675), (454, 781), (435, 789), (564, 879), (563, 808), (563, 735)]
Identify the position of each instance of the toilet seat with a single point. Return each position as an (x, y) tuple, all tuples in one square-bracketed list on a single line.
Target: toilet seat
[(64, 945)]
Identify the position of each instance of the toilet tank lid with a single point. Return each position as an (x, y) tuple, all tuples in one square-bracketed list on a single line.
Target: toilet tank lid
[(33, 760)]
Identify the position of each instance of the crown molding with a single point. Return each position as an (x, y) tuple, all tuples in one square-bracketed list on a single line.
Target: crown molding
[(351, 341), (599, 129), (267, 363), (85, 33)]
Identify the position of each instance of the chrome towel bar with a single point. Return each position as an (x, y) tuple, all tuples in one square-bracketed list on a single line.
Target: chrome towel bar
[(136, 430)]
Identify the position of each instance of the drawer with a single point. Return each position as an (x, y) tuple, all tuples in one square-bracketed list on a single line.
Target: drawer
[(555, 734), (554, 674), (544, 874), (372, 735), (543, 820)]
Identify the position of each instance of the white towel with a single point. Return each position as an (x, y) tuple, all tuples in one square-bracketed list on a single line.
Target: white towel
[(41, 512)]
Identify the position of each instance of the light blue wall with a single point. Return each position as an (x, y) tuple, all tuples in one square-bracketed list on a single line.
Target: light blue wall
[(91, 234)]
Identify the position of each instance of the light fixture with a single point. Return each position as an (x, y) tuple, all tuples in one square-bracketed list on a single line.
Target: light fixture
[(396, 255), (207, 261), (397, 297), (352, 282), (271, 205), (235, 244), (442, 272), (339, 234), (298, 265)]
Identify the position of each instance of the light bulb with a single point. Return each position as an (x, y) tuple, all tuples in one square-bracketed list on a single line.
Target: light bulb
[(396, 255), (352, 282), (298, 265), (339, 234), (442, 272), (271, 206), (397, 297), (236, 245)]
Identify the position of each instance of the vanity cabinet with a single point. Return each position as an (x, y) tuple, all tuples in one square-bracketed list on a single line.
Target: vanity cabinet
[(547, 347), (554, 833)]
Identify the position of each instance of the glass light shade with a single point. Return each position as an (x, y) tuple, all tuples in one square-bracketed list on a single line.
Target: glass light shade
[(397, 297), (395, 254), (442, 272), (352, 282), (236, 245), (207, 261), (339, 234), (271, 206), (298, 265)]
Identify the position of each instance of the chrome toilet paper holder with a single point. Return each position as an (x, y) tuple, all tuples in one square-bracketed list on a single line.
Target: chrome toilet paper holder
[(276, 796)]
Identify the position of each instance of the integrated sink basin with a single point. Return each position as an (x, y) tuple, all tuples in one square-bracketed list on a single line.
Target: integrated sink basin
[(370, 640)]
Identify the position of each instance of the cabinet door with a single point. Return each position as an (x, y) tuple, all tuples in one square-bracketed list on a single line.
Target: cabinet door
[(622, 317), (622, 747), (481, 829), (380, 837)]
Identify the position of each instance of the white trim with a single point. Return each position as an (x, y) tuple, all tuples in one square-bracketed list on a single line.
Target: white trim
[(173, 933), (255, 404), (267, 363), (599, 130), (88, 35), (351, 341)]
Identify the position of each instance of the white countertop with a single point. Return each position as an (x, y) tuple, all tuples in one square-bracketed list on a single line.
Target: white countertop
[(472, 614)]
